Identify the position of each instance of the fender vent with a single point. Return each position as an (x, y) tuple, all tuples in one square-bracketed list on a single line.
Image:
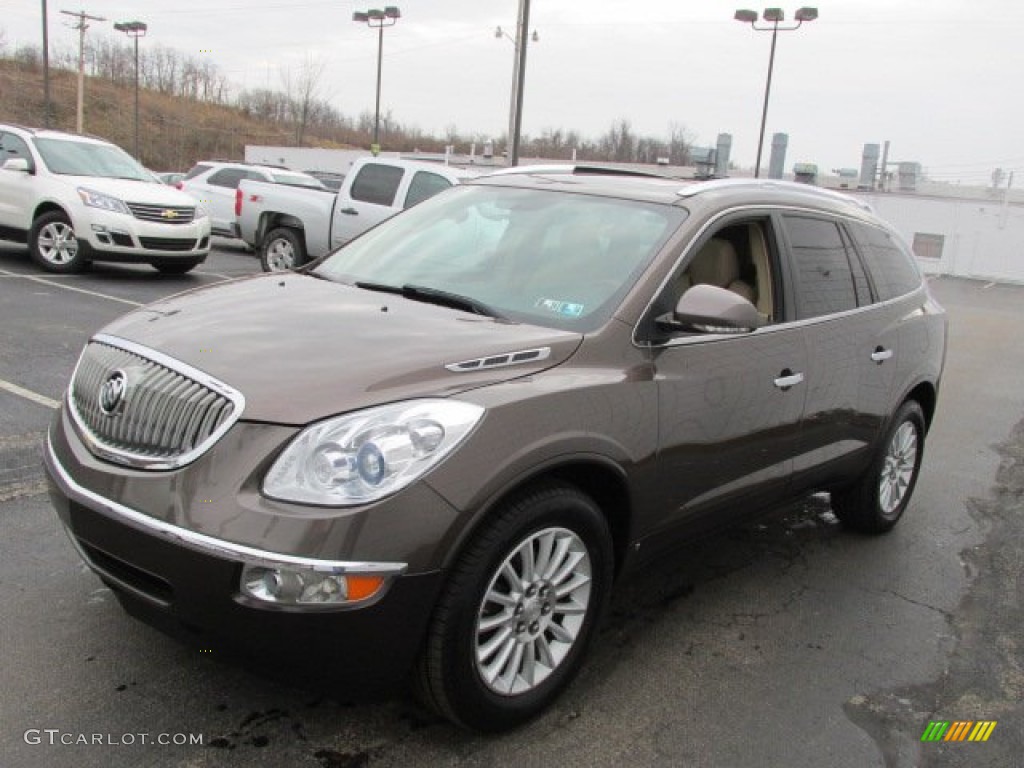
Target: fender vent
[(502, 360)]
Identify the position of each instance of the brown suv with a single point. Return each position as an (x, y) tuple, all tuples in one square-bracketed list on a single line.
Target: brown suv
[(492, 405)]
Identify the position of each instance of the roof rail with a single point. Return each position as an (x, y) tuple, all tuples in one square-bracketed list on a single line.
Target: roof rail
[(578, 170), (692, 190)]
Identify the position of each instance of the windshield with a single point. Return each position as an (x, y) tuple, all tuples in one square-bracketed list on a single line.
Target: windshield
[(548, 258), (83, 158)]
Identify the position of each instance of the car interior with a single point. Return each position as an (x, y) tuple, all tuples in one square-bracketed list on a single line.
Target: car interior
[(735, 258)]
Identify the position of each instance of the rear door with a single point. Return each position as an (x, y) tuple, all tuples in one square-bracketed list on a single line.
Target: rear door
[(850, 345), (371, 197)]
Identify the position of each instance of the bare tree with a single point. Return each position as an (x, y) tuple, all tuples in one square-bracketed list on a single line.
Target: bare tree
[(301, 88)]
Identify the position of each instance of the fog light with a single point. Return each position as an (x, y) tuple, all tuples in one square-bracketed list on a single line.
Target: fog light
[(305, 586)]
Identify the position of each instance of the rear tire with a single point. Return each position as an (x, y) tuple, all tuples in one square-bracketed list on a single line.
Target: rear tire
[(282, 250), (876, 502), (53, 245), (522, 603)]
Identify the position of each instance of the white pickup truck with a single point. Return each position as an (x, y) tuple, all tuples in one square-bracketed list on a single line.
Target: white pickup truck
[(288, 226)]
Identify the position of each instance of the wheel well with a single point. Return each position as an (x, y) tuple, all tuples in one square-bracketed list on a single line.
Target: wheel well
[(603, 485), (47, 208), (924, 394)]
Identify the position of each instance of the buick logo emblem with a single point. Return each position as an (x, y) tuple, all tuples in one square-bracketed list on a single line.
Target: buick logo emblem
[(112, 392)]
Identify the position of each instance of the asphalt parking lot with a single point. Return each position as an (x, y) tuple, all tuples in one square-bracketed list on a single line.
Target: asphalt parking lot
[(786, 642)]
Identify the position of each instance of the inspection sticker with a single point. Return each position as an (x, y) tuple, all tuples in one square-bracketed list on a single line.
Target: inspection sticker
[(561, 307)]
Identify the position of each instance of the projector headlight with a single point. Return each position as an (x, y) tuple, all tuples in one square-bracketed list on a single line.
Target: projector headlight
[(367, 455)]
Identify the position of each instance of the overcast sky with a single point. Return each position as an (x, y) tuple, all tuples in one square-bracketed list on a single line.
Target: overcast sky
[(937, 78)]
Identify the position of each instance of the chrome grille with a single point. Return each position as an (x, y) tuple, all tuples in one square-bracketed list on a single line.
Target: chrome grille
[(168, 415), (162, 214)]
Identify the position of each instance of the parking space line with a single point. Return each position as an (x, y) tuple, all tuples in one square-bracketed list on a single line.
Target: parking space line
[(28, 394), (44, 281)]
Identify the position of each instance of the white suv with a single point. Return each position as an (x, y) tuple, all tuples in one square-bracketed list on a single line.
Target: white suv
[(212, 184), (75, 199)]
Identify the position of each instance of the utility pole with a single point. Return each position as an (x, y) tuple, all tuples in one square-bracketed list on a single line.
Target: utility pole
[(81, 26), (515, 122), (46, 70)]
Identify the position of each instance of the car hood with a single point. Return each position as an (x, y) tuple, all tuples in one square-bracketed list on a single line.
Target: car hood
[(129, 191), (301, 348)]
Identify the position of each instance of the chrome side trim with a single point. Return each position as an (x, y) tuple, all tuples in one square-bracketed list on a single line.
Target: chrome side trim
[(127, 458), (200, 542), (501, 360)]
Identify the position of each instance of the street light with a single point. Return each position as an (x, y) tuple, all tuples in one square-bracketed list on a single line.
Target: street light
[(378, 19), (773, 15), (515, 120), (134, 29)]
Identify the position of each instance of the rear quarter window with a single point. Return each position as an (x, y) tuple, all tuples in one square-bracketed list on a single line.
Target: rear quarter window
[(892, 269)]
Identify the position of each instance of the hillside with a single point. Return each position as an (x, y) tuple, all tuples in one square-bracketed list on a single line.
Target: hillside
[(174, 132)]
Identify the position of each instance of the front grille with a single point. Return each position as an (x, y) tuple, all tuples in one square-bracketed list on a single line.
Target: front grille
[(162, 214), (168, 243), (138, 407)]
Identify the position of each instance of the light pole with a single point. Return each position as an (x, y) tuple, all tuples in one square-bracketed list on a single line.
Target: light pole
[(378, 19), (515, 120), (774, 16), (515, 109), (134, 29)]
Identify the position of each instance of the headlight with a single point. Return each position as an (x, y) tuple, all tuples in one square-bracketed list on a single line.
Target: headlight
[(98, 200), (364, 456)]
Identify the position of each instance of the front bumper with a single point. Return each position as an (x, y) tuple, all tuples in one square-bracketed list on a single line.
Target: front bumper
[(120, 237), (187, 584)]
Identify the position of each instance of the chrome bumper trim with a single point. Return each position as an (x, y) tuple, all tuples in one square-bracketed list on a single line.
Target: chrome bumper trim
[(200, 542)]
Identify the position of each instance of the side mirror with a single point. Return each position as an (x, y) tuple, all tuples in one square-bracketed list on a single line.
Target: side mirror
[(710, 309), (16, 164)]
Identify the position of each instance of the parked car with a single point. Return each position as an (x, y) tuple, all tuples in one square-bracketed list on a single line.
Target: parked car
[(76, 199), (213, 183), (332, 181), (287, 227), (170, 178), (486, 409)]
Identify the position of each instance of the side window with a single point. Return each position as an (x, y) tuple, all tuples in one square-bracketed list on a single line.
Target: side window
[(425, 184), (738, 258), (860, 277), (893, 270), (14, 146), (228, 177), (196, 170), (823, 280), (377, 184)]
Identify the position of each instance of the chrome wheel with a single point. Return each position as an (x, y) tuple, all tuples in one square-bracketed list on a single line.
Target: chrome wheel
[(280, 255), (57, 243), (533, 611), (898, 468)]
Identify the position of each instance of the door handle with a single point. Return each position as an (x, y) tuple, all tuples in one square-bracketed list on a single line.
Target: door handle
[(350, 211), (788, 379), (881, 354)]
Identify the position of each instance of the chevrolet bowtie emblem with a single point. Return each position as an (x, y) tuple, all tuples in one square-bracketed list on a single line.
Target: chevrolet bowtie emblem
[(169, 214)]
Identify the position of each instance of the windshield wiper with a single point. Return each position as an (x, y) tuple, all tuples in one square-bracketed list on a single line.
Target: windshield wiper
[(434, 296)]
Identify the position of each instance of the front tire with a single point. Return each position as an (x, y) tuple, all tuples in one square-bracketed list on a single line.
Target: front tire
[(53, 245), (876, 502), (523, 602), (282, 250)]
